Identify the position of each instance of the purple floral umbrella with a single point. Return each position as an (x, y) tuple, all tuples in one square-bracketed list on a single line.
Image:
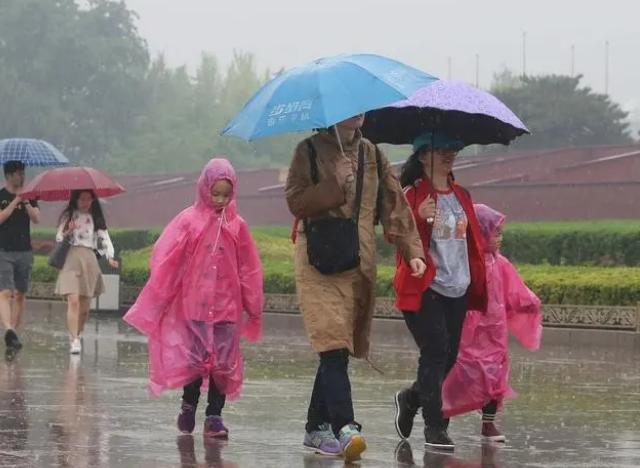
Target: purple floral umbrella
[(453, 107)]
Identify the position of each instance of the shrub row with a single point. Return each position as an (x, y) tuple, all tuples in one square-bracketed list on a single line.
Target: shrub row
[(604, 243), (554, 284), (545, 251), (43, 240)]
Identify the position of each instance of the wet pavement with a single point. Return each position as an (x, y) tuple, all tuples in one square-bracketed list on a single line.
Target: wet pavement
[(577, 407)]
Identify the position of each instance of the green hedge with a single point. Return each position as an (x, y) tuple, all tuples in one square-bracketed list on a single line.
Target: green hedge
[(123, 239), (554, 284), (604, 243), (601, 243), (587, 285)]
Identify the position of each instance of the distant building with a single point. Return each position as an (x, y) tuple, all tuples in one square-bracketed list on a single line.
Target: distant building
[(564, 184)]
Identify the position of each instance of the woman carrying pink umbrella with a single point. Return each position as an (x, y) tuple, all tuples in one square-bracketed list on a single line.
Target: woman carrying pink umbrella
[(82, 236)]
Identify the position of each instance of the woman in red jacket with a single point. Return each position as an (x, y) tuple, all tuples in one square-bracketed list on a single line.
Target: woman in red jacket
[(434, 306)]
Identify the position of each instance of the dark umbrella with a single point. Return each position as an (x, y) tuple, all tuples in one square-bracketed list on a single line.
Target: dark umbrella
[(452, 107)]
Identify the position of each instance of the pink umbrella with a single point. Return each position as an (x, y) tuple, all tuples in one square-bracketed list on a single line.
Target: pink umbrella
[(57, 184)]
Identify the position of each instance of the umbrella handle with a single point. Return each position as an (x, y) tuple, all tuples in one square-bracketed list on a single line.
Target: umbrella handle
[(335, 130)]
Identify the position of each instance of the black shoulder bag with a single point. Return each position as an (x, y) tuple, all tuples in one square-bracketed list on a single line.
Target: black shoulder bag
[(58, 255), (333, 244)]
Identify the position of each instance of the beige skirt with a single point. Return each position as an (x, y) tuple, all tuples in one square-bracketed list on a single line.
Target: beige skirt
[(80, 274)]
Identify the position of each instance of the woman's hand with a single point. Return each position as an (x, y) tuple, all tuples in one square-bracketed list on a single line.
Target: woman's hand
[(69, 228), (113, 263), (427, 209), (344, 171), (418, 267)]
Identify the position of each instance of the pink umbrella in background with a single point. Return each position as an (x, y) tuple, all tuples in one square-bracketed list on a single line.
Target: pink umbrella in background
[(57, 184)]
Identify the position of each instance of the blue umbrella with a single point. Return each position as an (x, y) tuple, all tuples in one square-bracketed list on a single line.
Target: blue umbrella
[(325, 92), (31, 152)]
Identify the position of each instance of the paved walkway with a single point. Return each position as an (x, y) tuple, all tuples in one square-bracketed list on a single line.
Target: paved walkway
[(577, 407)]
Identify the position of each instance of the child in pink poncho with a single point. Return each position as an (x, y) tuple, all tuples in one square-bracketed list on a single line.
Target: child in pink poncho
[(479, 379), (204, 292)]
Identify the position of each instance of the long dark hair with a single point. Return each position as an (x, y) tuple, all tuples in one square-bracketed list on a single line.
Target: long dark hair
[(413, 170), (99, 222)]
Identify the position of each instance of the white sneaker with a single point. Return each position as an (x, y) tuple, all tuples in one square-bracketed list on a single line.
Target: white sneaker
[(76, 346)]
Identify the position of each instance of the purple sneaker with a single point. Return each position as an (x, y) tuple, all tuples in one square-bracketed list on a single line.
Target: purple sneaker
[(322, 441), (187, 418), (214, 428)]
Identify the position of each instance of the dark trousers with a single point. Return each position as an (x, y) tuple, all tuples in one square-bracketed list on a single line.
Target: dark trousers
[(331, 397), (436, 329), (491, 408), (216, 400)]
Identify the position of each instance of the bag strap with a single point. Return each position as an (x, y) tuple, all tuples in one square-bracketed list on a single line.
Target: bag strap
[(380, 195), (313, 161), (359, 183), (313, 165)]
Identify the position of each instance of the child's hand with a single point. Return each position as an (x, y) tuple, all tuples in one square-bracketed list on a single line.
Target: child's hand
[(252, 329)]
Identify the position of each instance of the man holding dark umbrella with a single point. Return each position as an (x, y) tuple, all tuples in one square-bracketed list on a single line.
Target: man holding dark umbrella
[(16, 256)]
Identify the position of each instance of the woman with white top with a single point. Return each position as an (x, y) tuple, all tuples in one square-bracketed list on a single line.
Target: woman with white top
[(82, 223)]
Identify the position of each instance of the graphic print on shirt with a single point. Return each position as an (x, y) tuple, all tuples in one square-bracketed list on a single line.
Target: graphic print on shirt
[(449, 247), (450, 221)]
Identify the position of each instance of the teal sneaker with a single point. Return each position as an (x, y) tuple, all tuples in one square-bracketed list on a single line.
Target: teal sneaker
[(351, 442)]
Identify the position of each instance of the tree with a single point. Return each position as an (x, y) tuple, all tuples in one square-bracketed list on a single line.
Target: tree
[(69, 75), (82, 78), (560, 112)]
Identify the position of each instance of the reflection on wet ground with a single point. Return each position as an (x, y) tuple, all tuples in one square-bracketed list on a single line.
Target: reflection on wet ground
[(577, 407)]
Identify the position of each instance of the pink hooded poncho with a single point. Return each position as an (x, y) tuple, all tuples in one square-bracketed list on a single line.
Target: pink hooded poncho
[(481, 371), (205, 274)]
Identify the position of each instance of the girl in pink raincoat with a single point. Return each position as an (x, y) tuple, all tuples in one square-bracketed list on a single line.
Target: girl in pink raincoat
[(204, 292), (479, 379)]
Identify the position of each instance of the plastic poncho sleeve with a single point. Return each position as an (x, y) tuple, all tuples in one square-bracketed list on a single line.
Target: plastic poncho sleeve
[(251, 284), (167, 266), (524, 316)]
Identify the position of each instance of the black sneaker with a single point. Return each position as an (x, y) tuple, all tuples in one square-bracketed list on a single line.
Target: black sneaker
[(11, 340), (405, 414), (438, 439)]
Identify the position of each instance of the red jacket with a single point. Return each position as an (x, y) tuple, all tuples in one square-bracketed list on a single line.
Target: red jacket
[(409, 289)]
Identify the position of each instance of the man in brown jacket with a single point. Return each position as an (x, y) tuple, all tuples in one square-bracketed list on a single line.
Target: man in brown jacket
[(338, 308)]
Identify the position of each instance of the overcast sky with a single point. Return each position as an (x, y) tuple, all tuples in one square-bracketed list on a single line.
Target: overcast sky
[(423, 33)]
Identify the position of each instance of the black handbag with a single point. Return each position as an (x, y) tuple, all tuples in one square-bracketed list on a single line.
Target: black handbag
[(58, 255), (333, 244)]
